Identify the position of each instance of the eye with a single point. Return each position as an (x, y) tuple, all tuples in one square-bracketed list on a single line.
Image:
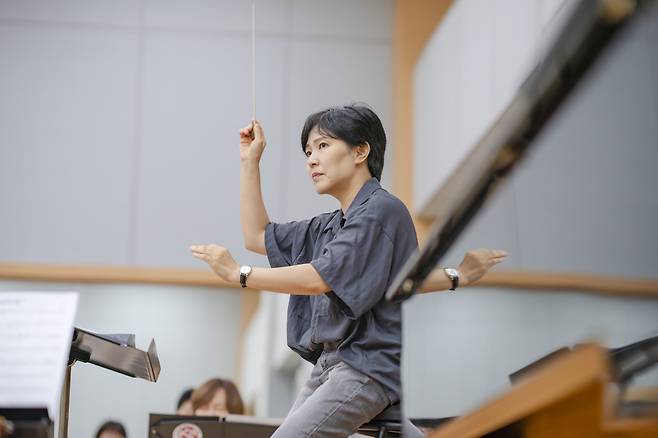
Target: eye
[(323, 144), (307, 153)]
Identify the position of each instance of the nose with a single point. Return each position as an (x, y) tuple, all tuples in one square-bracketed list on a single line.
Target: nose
[(312, 160)]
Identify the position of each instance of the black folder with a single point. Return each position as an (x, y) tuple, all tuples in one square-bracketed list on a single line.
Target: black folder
[(178, 426)]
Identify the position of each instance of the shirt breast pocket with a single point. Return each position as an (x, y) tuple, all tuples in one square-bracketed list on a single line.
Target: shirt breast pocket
[(320, 304), (299, 319)]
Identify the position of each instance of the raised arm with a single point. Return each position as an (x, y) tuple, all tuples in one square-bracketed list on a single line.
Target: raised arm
[(476, 263), (253, 215)]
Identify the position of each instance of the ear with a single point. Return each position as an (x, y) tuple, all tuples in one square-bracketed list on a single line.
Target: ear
[(361, 153)]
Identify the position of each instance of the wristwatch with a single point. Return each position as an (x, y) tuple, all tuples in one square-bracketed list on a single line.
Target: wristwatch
[(453, 276), (245, 271)]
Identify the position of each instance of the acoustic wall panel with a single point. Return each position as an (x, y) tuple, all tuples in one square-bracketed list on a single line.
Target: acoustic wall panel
[(586, 198), (80, 13), (197, 97), (67, 131), (370, 19), (327, 73), (217, 15)]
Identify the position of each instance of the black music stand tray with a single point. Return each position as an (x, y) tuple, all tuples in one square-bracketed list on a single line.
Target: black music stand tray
[(113, 352), (26, 422), (168, 426)]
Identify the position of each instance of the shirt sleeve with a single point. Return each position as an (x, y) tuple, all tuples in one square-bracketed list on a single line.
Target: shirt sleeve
[(286, 244), (357, 265)]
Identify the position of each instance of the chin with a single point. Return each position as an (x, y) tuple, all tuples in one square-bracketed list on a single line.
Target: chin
[(321, 189)]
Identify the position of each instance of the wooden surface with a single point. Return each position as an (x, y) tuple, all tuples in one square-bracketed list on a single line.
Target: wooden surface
[(561, 379), (110, 274), (563, 281), (414, 22), (563, 398), (557, 281)]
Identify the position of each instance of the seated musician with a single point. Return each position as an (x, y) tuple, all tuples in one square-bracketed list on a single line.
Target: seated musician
[(217, 397)]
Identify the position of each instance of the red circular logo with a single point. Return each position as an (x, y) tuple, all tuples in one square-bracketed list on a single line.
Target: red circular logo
[(187, 430)]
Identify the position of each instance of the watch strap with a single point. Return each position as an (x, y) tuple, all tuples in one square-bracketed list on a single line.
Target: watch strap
[(244, 276), (453, 277)]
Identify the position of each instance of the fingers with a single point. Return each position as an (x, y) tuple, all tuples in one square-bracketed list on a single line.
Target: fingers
[(494, 262), (497, 256), (203, 252), (253, 127), (488, 257), (489, 253), (258, 130), (247, 131), (204, 257), (200, 252), (199, 249), (211, 250)]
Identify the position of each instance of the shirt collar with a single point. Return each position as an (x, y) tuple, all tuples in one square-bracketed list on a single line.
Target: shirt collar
[(362, 196)]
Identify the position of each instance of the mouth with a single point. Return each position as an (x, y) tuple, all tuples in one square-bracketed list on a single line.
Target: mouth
[(316, 175)]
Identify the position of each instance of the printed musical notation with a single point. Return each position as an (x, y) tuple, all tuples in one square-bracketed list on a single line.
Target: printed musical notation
[(35, 338)]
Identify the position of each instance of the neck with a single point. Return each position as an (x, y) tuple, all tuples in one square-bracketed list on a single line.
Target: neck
[(346, 194)]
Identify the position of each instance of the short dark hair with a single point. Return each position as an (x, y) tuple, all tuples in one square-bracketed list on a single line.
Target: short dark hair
[(111, 426), (355, 124), (185, 396)]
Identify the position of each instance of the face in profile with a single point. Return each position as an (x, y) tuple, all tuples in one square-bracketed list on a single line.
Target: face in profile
[(330, 162), (216, 407)]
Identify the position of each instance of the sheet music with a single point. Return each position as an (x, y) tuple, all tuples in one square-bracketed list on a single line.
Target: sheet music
[(35, 339)]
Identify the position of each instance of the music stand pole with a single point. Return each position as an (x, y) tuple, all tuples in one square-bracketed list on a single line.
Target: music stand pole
[(64, 405)]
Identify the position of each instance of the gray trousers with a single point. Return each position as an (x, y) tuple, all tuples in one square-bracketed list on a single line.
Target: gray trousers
[(334, 402)]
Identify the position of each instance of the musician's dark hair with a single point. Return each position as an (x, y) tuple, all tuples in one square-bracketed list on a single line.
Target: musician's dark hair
[(111, 426), (185, 396), (355, 124)]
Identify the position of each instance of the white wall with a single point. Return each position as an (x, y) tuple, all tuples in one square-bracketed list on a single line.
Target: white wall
[(583, 201), (272, 373)]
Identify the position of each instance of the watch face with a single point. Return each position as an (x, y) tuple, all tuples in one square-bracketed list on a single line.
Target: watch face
[(245, 270), (452, 272)]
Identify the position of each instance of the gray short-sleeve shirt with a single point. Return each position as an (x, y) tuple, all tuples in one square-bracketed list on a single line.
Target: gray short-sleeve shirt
[(358, 255)]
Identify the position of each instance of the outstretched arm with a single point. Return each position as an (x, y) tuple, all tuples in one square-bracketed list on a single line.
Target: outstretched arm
[(253, 215), (304, 279), (476, 263), (298, 279)]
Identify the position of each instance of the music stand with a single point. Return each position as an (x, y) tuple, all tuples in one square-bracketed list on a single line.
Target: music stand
[(250, 427), (173, 426), (26, 422), (164, 425), (113, 352)]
